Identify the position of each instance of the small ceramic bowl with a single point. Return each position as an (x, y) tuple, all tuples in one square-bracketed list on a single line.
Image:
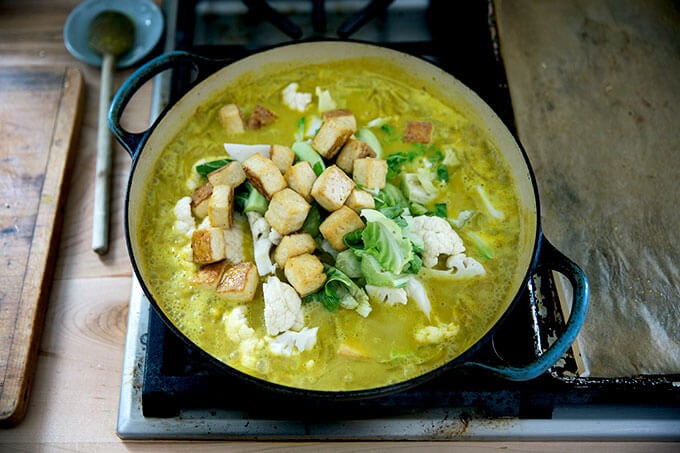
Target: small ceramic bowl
[(145, 14)]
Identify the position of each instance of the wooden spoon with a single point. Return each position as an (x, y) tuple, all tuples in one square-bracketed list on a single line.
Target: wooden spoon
[(111, 34)]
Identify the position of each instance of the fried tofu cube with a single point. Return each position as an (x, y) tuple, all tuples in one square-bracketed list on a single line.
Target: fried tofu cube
[(332, 188), (338, 224), (208, 246), (260, 117), (293, 245), (370, 173), (209, 275), (231, 174), (305, 273), (233, 240), (287, 211), (342, 116), (232, 119), (264, 175), (332, 134), (221, 207), (360, 199), (282, 156), (239, 282), (200, 199), (354, 149), (300, 177), (418, 132)]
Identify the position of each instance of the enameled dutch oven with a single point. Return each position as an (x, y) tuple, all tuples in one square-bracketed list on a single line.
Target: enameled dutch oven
[(535, 253)]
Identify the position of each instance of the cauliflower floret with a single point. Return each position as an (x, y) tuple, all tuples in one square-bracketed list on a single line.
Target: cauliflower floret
[(184, 222), (294, 100), (464, 266), (250, 351), (275, 237), (417, 292), (185, 226), (387, 295), (236, 325), (283, 344), (250, 347), (262, 245), (282, 307), (436, 334), (438, 238), (263, 261), (259, 227)]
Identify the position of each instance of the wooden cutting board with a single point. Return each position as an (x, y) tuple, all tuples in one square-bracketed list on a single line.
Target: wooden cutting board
[(40, 109)]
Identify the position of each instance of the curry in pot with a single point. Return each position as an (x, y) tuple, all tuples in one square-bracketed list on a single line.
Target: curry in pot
[(331, 227)]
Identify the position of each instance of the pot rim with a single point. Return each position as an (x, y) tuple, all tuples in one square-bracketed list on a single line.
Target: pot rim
[(136, 150)]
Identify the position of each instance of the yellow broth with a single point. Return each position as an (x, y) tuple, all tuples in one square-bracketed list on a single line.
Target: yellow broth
[(384, 345)]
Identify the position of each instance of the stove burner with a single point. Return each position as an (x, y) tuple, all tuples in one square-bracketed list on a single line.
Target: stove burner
[(176, 383)]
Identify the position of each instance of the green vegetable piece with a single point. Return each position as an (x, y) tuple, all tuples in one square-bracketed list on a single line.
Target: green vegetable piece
[(384, 240), (353, 239), (389, 135), (434, 155), (394, 163), (304, 151), (442, 173), (415, 191), (340, 290), (375, 275), (386, 128), (337, 281), (255, 202), (312, 221), (440, 210), (367, 136), (417, 208), (415, 264), (209, 167), (349, 263), (390, 196), (330, 302), (300, 132), (480, 244), (383, 250)]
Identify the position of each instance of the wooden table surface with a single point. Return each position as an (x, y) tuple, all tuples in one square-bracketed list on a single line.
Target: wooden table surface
[(74, 401)]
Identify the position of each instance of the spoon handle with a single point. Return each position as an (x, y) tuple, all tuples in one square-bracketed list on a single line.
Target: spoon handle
[(100, 221)]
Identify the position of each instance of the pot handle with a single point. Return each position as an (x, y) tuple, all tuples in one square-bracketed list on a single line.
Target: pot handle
[(131, 140), (552, 259)]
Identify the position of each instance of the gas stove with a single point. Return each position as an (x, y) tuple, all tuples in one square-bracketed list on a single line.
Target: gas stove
[(168, 392)]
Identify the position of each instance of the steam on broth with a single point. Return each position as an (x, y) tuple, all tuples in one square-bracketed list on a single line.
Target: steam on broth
[(402, 298)]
